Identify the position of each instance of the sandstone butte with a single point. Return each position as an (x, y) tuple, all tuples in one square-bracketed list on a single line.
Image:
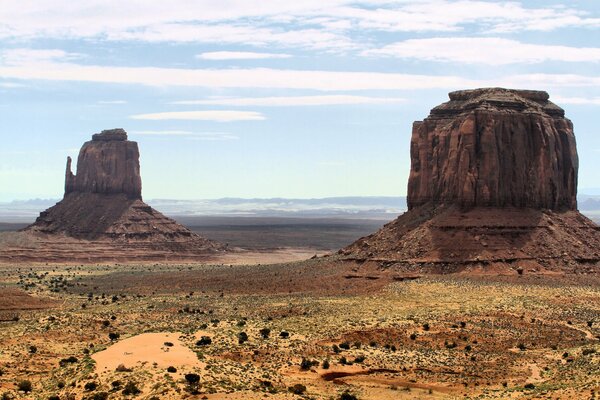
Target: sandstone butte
[(492, 186), (102, 215)]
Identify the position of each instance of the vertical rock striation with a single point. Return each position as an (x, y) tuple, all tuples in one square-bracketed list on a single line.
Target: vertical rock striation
[(493, 185), (103, 203), (108, 164), (494, 147)]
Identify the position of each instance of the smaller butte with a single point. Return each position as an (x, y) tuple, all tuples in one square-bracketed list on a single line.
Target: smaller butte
[(102, 216)]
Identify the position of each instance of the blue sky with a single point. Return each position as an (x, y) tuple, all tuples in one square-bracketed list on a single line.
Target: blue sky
[(269, 98)]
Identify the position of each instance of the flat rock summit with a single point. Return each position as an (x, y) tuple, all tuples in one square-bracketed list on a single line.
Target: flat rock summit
[(493, 185), (102, 215)]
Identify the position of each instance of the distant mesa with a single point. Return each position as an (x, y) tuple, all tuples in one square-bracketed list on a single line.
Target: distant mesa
[(493, 185), (103, 204)]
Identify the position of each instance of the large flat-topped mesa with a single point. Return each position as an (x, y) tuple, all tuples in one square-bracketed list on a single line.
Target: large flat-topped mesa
[(492, 186), (494, 147), (107, 164)]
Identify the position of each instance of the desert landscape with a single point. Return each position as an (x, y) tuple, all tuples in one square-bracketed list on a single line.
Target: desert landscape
[(488, 287)]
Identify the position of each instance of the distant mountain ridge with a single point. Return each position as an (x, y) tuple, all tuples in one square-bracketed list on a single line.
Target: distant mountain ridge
[(376, 207)]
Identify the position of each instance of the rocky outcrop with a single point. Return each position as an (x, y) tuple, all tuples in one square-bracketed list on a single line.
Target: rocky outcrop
[(492, 187), (108, 164), (494, 147), (103, 204)]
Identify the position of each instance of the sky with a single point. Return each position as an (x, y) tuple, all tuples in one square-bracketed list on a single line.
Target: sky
[(273, 98)]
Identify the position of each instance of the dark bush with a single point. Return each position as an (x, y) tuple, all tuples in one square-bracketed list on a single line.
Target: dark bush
[(345, 345), (426, 326), (325, 364), (168, 344), (192, 378), (131, 389), (90, 386), (284, 335), (98, 396), (53, 397), (172, 369), (359, 359), (335, 348), (25, 386), (297, 389), (413, 336), (204, 341), (450, 344), (348, 396), (32, 349), (68, 360), (265, 332), (306, 364), (114, 336), (521, 347), (193, 381), (242, 337), (529, 386)]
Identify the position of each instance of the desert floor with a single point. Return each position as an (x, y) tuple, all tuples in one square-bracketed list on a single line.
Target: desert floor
[(136, 331)]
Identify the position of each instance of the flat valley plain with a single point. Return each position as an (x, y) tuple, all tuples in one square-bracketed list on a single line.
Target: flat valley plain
[(319, 329)]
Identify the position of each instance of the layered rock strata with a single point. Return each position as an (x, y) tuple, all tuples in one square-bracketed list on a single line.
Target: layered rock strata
[(103, 203), (494, 147), (493, 184)]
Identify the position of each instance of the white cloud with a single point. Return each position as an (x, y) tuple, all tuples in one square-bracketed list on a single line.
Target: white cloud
[(491, 51), (22, 55), (239, 55), (594, 101), (295, 101), (226, 78), (212, 115), (36, 69), (317, 24)]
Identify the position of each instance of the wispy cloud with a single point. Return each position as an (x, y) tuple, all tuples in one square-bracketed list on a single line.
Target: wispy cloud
[(307, 24), (489, 50), (10, 85), (239, 55), (226, 78), (212, 115), (295, 101), (276, 78)]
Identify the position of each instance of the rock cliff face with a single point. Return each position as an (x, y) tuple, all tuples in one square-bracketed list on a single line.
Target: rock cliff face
[(493, 186), (108, 164), (494, 147), (103, 204)]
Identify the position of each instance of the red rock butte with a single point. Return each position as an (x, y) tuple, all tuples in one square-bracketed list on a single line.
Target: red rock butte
[(493, 185), (102, 215)]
